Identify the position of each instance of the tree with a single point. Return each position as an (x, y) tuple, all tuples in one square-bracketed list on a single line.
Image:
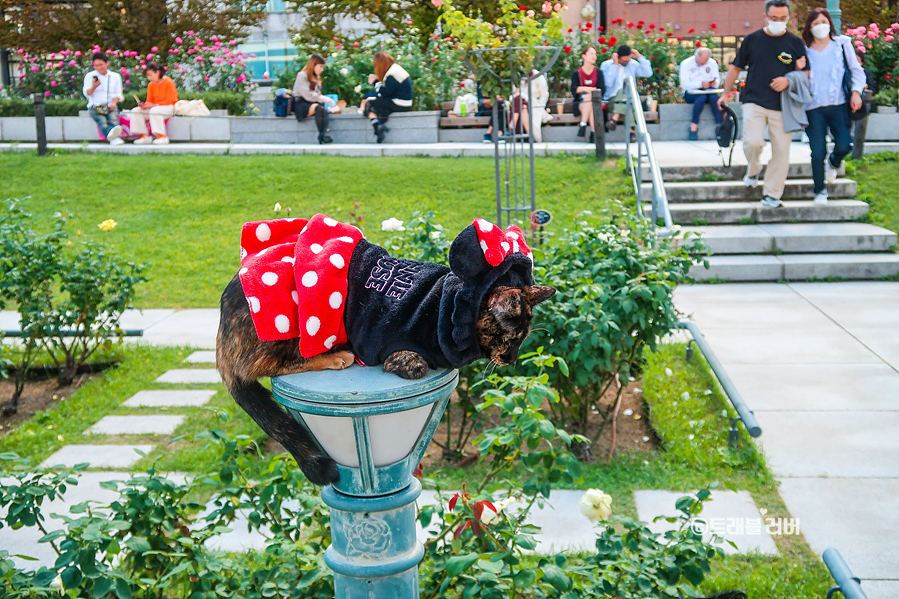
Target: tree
[(323, 17), (855, 12), (139, 25)]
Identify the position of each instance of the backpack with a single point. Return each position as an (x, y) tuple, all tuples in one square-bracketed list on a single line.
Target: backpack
[(281, 104), (727, 131)]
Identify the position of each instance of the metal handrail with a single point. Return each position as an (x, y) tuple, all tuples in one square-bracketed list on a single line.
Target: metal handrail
[(847, 584), (745, 415), (635, 117)]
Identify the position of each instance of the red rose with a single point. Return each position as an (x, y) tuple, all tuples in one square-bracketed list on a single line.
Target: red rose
[(699, 44), (604, 50), (570, 30), (888, 77), (661, 39), (522, 8), (661, 29), (679, 39), (639, 25), (713, 25), (652, 25), (669, 34), (630, 23), (601, 40), (588, 24), (641, 21), (691, 30), (567, 49)]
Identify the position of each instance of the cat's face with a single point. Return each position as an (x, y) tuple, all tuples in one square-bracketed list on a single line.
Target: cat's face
[(504, 320)]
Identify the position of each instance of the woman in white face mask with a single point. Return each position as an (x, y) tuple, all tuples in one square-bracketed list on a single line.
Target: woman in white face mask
[(830, 56)]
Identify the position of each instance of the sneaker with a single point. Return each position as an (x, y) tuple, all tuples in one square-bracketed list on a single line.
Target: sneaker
[(821, 198), (488, 139), (381, 133), (769, 202), (114, 133), (118, 141), (830, 171), (162, 139), (144, 139), (592, 137), (751, 181), (581, 130), (693, 136)]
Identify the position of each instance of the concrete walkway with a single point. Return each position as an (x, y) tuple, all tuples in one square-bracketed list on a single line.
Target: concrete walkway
[(818, 363), (685, 153)]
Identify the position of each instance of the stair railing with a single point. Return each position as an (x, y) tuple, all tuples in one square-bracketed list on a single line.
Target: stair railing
[(659, 201)]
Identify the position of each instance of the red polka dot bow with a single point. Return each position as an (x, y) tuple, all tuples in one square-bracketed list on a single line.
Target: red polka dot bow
[(498, 244)]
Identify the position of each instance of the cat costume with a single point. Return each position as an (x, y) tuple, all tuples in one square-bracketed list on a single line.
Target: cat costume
[(321, 281)]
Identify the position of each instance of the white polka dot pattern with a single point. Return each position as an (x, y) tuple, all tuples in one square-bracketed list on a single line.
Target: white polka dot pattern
[(293, 273), (498, 244)]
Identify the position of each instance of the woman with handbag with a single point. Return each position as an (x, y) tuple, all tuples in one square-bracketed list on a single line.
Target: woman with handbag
[(837, 82), (162, 95)]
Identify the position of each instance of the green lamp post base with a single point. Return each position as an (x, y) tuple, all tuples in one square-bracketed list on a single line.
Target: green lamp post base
[(376, 426)]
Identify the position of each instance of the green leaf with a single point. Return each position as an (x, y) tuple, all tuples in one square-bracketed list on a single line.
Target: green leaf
[(491, 567), (138, 544), (556, 577), (459, 563), (524, 578)]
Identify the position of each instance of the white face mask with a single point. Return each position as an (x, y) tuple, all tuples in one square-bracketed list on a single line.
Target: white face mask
[(821, 30), (776, 27)]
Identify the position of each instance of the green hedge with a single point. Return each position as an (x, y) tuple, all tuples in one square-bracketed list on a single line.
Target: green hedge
[(235, 103)]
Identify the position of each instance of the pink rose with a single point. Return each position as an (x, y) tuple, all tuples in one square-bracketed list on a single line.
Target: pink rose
[(547, 7), (233, 42), (178, 40), (557, 7), (77, 53), (241, 78), (206, 78), (218, 60), (20, 51), (150, 56), (191, 51), (59, 64), (34, 69), (530, 13), (190, 34), (154, 49), (72, 63), (46, 94), (355, 44), (888, 38), (437, 3), (53, 84), (252, 56)]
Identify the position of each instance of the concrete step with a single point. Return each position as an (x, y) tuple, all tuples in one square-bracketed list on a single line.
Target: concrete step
[(725, 173), (798, 267), (717, 213), (729, 191), (796, 238)]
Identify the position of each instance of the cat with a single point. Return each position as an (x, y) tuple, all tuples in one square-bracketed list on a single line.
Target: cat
[(436, 324)]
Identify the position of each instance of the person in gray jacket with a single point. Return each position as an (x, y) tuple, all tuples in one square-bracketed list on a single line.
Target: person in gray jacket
[(793, 101)]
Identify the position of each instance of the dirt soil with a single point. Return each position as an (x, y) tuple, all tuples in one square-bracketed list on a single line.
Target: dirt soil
[(39, 394)]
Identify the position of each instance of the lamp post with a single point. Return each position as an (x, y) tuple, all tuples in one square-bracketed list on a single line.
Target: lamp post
[(833, 7), (376, 426)]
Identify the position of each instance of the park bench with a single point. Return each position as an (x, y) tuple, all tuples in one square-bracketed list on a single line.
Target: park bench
[(565, 118)]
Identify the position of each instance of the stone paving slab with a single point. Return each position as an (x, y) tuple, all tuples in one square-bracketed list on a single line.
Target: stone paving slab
[(772, 346), (98, 456), (843, 291), (201, 357), (136, 425), (856, 516), (877, 312), (883, 341), (197, 328), (25, 540), (190, 375), (143, 319), (881, 589), (787, 315), (819, 387), (831, 444), (739, 293), (166, 398), (728, 512)]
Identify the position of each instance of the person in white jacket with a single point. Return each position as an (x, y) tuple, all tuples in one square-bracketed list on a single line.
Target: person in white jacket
[(103, 90), (698, 74), (537, 100)]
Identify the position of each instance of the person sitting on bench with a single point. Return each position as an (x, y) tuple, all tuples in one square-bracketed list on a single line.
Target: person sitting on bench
[(393, 93), (308, 99), (160, 105), (626, 62), (584, 81), (698, 74)]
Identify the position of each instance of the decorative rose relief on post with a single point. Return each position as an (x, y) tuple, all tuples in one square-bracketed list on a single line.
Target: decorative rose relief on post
[(367, 536)]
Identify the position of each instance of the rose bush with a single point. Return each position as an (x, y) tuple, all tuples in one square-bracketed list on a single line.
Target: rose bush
[(193, 63), (881, 50)]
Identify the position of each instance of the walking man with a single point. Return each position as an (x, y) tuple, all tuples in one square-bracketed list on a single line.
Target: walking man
[(769, 54)]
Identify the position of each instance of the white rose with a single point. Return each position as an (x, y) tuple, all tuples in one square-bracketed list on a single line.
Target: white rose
[(392, 224), (435, 235), (357, 89), (344, 71), (56, 585), (488, 516), (277, 207), (596, 505)]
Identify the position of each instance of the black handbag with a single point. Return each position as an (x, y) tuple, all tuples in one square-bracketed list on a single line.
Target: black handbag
[(847, 90)]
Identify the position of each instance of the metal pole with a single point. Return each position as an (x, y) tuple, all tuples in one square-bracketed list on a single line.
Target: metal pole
[(499, 195), (5, 74), (599, 124), (861, 129), (833, 7), (41, 124), (848, 585), (531, 145)]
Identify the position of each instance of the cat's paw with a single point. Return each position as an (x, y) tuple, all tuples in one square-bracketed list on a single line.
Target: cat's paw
[(339, 360), (406, 364), (320, 470)]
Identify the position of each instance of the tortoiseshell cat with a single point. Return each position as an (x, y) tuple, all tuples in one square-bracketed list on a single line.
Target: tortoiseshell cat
[(458, 315)]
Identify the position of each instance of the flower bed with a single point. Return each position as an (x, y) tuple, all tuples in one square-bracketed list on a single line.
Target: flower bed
[(881, 50)]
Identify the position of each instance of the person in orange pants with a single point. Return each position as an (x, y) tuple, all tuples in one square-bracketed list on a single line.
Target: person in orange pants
[(160, 105)]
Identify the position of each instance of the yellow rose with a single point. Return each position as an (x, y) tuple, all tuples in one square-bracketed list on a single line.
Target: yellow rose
[(108, 225)]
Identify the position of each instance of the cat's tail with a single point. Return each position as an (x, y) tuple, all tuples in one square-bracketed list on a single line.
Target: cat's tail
[(257, 401)]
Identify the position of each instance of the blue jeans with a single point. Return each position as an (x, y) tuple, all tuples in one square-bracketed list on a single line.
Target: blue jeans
[(819, 119), (700, 100), (105, 121)]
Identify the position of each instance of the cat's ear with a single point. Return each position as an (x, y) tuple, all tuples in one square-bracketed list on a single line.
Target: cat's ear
[(505, 301), (537, 294)]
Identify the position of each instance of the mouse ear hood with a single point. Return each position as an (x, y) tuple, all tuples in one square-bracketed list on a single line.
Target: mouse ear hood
[(482, 246)]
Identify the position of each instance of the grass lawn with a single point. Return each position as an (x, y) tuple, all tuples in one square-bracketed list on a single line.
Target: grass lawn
[(183, 214), (688, 413), (878, 179)]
